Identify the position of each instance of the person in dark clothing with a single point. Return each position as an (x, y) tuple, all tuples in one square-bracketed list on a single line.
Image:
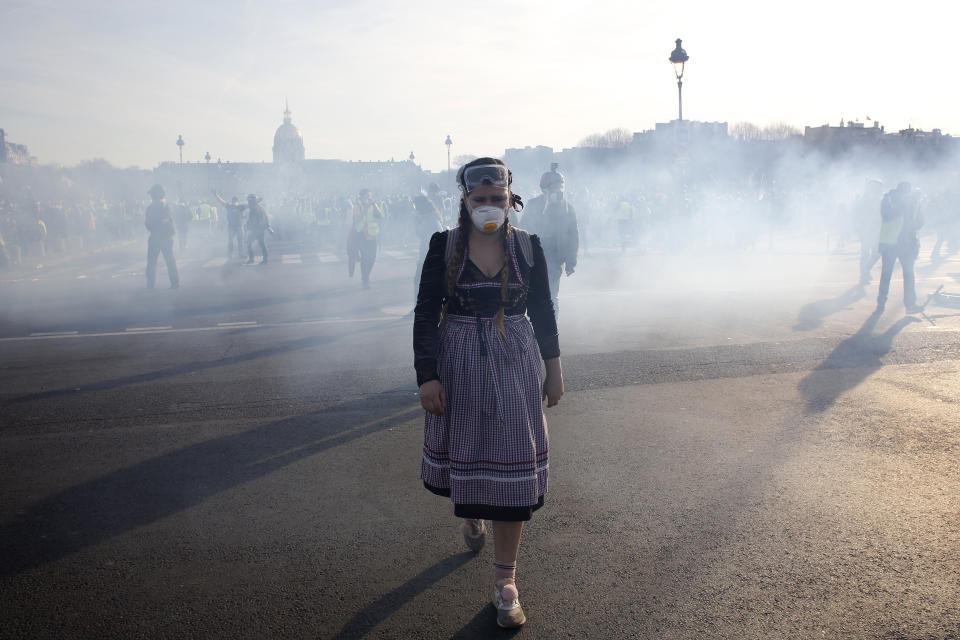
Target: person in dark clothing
[(551, 217), (478, 363), (900, 219), (234, 225), (257, 225), (159, 222)]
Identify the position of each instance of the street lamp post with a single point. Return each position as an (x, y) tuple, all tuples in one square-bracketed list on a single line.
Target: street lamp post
[(679, 59), (180, 144), (448, 142)]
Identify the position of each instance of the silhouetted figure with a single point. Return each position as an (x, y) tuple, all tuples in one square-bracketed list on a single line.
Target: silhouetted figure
[(363, 236), (900, 219), (551, 217), (257, 225), (159, 222), (234, 225)]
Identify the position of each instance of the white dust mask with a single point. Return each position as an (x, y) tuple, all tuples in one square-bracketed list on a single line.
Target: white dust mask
[(488, 218)]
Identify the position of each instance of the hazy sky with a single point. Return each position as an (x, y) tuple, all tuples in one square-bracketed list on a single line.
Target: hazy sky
[(371, 80)]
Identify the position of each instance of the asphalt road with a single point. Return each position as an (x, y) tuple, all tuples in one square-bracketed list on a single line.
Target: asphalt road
[(743, 451)]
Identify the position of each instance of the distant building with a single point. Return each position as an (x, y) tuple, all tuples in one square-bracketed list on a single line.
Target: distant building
[(682, 133), (855, 135), (288, 141), (844, 135), (290, 174), (527, 163), (13, 153)]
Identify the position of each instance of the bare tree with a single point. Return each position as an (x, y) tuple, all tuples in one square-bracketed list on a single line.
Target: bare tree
[(746, 131), (612, 139), (750, 132), (780, 130)]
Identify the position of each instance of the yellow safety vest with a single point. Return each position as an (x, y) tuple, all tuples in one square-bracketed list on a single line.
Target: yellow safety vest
[(367, 222)]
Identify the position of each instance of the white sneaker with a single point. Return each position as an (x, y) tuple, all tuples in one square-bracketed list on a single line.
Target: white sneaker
[(509, 612), (474, 533)]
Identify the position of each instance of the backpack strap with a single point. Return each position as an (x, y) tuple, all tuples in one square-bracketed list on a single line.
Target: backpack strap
[(451, 245), (522, 238)]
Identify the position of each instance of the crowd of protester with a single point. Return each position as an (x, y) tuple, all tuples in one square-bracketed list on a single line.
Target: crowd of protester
[(36, 229), (642, 216)]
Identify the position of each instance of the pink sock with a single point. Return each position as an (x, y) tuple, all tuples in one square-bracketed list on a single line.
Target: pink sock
[(504, 574)]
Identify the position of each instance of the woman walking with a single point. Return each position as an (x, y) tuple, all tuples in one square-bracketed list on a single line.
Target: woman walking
[(478, 362)]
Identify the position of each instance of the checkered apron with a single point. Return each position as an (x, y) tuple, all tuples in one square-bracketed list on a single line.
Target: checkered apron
[(490, 447)]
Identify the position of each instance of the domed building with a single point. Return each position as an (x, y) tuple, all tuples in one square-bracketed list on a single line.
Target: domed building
[(287, 141)]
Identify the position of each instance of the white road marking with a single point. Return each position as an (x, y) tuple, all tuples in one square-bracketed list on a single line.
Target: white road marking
[(327, 257), (290, 258), (214, 262), (141, 329), (396, 310), (155, 330), (251, 323)]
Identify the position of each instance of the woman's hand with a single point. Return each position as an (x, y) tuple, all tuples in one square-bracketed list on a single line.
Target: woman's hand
[(432, 397), (553, 384)]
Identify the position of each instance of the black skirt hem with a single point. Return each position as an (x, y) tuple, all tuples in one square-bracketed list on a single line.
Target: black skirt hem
[(487, 511)]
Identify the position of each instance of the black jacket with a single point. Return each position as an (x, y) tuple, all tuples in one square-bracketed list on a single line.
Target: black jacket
[(159, 220), (533, 299)]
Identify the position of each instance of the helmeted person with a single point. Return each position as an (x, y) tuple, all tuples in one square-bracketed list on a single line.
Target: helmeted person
[(551, 217), (363, 237), (900, 219), (257, 225), (159, 222)]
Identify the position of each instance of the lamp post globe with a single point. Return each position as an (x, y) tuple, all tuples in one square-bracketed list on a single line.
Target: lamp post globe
[(679, 59)]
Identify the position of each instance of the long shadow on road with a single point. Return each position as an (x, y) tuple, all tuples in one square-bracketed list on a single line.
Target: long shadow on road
[(812, 315), (388, 604), (860, 355), (119, 502), (192, 367)]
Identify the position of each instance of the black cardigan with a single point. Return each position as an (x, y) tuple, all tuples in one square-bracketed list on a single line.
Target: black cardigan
[(533, 299)]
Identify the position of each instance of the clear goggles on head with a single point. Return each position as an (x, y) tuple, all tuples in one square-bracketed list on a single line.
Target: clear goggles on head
[(479, 175)]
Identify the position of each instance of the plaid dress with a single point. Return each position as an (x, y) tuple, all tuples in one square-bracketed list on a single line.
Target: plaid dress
[(489, 452)]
